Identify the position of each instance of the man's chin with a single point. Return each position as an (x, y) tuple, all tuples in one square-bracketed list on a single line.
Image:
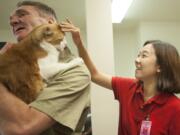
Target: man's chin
[(21, 35), (19, 38)]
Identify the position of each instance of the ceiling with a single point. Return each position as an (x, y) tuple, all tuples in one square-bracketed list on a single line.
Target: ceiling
[(140, 10), (152, 10)]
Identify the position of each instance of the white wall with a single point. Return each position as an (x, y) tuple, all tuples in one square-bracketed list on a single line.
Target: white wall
[(6, 35), (166, 31), (127, 41), (100, 46), (125, 50)]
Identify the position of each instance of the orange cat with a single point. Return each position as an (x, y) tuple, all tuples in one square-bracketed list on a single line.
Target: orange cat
[(19, 69)]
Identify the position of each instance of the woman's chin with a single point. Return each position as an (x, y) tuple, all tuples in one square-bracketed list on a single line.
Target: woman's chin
[(138, 77)]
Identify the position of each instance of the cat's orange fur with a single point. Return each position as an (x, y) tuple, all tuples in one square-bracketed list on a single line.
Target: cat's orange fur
[(19, 70)]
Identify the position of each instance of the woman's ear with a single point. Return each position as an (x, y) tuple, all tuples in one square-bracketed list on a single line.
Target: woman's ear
[(158, 70)]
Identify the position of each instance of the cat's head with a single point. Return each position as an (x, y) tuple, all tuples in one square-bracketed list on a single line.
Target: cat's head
[(48, 32)]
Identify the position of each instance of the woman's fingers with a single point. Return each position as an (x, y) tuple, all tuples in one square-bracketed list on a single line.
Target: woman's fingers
[(69, 21), (68, 27)]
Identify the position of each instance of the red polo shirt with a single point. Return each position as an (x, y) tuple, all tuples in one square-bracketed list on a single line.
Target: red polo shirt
[(163, 109)]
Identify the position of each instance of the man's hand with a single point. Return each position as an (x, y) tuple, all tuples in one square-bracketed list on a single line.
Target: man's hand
[(6, 47), (68, 26)]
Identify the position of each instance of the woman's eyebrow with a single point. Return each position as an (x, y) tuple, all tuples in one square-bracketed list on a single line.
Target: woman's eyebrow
[(144, 51)]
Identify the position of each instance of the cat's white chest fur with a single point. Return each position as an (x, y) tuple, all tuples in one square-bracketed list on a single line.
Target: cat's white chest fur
[(49, 65)]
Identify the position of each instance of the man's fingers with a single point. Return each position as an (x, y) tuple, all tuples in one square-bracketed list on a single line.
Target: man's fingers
[(6, 47)]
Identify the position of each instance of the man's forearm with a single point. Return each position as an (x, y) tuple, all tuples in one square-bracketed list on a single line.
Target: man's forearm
[(12, 111), (17, 118), (9, 105)]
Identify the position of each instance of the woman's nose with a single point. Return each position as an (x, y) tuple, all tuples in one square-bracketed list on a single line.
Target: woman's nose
[(137, 60)]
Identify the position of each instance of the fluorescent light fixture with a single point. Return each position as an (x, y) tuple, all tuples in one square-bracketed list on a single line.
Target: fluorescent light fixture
[(119, 9)]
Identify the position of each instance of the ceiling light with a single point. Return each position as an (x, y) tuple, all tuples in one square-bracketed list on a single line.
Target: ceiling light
[(119, 9)]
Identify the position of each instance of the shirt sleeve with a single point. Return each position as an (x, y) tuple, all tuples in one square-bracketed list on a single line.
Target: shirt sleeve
[(121, 86), (66, 96), (175, 124)]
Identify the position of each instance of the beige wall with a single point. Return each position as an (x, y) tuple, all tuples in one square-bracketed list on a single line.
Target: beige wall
[(125, 50), (6, 35), (127, 41), (100, 46), (167, 31)]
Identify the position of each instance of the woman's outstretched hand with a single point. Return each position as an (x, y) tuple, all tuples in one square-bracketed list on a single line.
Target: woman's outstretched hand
[(68, 26)]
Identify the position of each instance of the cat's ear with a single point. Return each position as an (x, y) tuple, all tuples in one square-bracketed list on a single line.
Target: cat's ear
[(48, 31)]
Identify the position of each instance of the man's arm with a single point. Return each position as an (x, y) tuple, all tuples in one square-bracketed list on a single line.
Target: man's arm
[(17, 118)]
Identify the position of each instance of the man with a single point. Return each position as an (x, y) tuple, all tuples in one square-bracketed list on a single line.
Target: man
[(58, 108)]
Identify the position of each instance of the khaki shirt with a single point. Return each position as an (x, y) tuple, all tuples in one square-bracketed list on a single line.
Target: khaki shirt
[(64, 98)]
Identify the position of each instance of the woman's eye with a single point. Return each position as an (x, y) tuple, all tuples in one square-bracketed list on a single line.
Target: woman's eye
[(144, 56)]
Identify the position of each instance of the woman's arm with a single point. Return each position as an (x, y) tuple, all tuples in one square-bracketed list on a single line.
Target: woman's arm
[(98, 77)]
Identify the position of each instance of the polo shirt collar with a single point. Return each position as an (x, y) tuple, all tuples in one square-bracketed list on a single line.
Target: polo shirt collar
[(160, 99)]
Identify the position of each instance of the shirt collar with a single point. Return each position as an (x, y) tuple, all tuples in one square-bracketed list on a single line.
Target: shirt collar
[(160, 99)]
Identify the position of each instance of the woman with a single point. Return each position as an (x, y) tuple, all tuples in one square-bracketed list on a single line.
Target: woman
[(148, 104)]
